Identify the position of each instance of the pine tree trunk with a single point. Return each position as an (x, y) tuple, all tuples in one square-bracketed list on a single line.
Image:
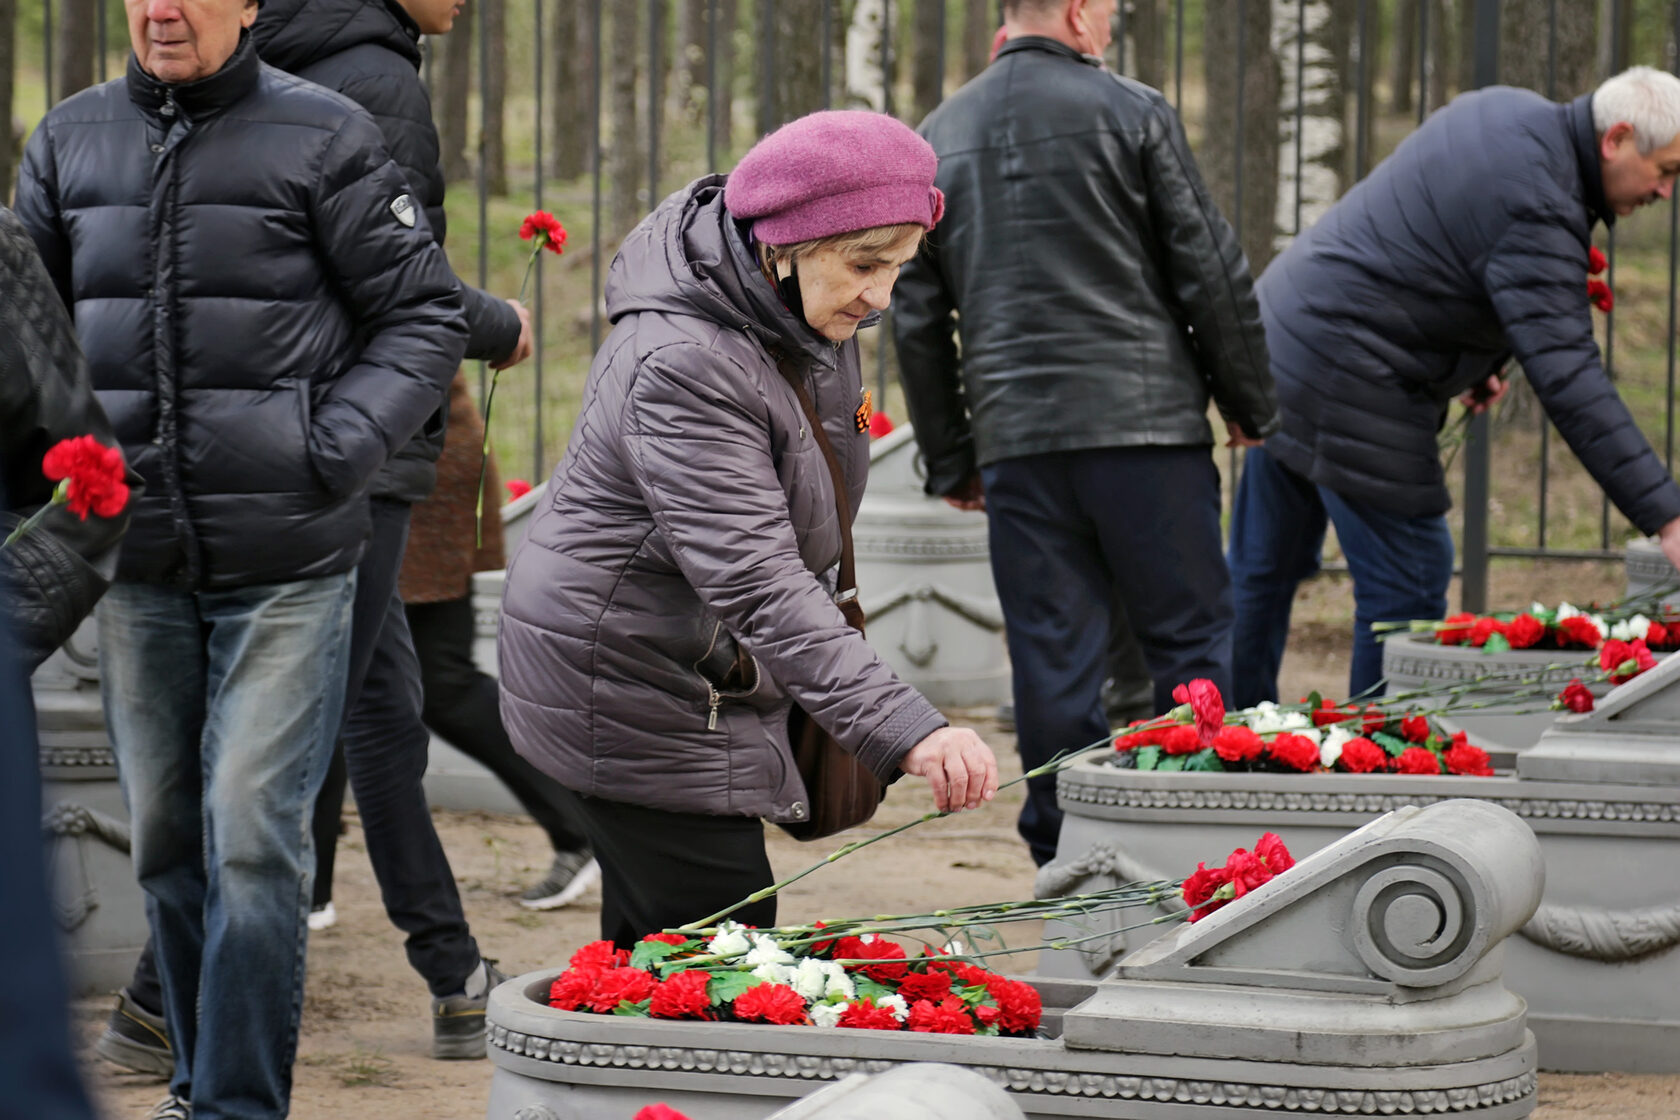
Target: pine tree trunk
[(77, 31), (623, 149), (979, 25), (798, 64), (927, 53), (9, 137), (493, 144), (1466, 58), (573, 69), (1525, 48), (688, 78), (454, 90), (723, 89), (1148, 29), (866, 82), (1404, 57), (1320, 114), (1257, 192)]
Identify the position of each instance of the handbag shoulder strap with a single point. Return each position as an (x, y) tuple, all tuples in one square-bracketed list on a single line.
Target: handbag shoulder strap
[(846, 586)]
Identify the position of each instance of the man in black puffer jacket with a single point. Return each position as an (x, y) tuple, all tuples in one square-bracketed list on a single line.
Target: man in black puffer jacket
[(267, 319), (1101, 300), (1465, 248)]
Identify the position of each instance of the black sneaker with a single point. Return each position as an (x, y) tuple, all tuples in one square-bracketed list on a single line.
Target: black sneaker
[(568, 876), (136, 1039), (171, 1108), (458, 1020)]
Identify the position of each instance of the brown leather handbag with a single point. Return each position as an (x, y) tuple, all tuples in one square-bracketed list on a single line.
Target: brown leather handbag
[(842, 792)]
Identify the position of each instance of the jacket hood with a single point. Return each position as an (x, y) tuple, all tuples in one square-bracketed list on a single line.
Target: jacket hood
[(293, 34), (691, 257)]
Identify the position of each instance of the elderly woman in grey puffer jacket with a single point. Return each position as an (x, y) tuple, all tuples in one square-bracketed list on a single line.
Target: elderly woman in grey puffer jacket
[(694, 517)]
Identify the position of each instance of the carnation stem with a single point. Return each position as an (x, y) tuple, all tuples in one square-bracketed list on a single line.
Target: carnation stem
[(489, 399)]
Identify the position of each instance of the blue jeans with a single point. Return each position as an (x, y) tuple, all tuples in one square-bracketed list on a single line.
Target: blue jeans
[(1071, 534), (1401, 567), (223, 707)]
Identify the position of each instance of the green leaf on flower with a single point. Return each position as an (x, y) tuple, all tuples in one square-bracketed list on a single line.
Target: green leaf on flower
[(1393, 744), (725, 986), (868, 988), (1148, 758), (1171, 763), (990, 1030), (1314, 700), (1497, 643), (1205, 760), (632, 1010), (648, 953)]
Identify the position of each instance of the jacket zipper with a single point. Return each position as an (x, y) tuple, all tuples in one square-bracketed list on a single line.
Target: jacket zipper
[(713, 699)]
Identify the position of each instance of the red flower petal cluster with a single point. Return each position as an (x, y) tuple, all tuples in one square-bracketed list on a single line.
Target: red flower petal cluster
[(546, 228), (1375, 718), (1457, 630), (1206, 704), (1597, 262), (682, 995), (1576, 696), (1327, 713), (948, 1016), (1581, 631), (94, 475), (1417, 760), (620, 985), (1483, 629), (572, 988), (1238, 743), (1294, 751), (1362, 756), (599, 954), (1600, 294), (517, 488), (1199, 890), (1625, 660), (1270, 848), (1657, 635), (880, 425), (659, 1111), (1243, 871), (666, 938), (1462, 758), (1247, 871), (925, 985), (1020, 1008), (864, 1015), (771, 1003), (880, 949), (1180, 740), (1414, 729), (1524, 631)]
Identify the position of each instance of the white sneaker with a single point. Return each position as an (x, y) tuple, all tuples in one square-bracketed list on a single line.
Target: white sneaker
[(571, 874), (323, 917)]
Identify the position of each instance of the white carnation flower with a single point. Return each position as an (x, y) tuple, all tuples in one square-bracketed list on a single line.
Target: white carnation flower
[(827, 1014), (1638, 626), (730, 941), (1336, 736), (1598, 621), (895, 1003), (1621, 632), (838, 982), (776, 974), (1566, 611), (810, 978), (766, 951), (1266, 717), (1537, 608)]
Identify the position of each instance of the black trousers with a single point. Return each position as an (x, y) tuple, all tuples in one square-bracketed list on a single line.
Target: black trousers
[(660, 869), (1071, 534), (462, 707)]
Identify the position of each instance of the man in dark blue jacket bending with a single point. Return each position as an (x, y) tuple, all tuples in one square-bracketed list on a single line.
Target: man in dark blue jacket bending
[(1465, 248)]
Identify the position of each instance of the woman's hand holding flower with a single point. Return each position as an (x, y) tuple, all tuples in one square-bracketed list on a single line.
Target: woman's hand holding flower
[(958, 766)]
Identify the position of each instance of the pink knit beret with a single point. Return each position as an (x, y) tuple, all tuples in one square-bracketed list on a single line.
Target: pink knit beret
[(835, 172)]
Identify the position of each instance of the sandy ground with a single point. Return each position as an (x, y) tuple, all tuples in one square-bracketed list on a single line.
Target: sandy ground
[(365, 1047)]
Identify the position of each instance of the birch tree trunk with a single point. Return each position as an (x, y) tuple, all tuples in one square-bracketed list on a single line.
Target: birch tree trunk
[(454, 87), (1313, 132), (866, 80), (1249, 203), (493, 143), (623, 148)]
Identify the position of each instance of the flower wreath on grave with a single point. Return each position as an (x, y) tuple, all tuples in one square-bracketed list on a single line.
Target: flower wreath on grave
[(1316, 735), (854, 974)]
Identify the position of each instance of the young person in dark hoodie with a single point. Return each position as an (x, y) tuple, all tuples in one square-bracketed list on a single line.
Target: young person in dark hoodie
[(368, 50)]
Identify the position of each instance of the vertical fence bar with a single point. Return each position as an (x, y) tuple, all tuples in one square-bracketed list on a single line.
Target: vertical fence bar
[(1237, 145), (1423, 61), (711, 85), (46, 57), (656, 94), (1477, 457), (767, 118), (537, 456), (887, 57), (1119, 30), (1362, 116), (1300, 103), (481, 186), (103, 47), (1178, 59), (1673, 258), (595, 196), (826, 37), (1544, 473), (941, 44)]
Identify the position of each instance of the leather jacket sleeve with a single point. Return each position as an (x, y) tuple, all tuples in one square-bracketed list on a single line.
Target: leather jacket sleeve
[(52, 576), (1209, 279), (924, 329)]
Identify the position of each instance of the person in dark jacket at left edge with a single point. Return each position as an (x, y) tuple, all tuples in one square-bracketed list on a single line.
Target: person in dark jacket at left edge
[(257, 404)]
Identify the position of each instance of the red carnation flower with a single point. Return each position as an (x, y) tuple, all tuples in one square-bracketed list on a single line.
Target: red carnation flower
[(925, 985), (1613, 653), (864, 1015), (1414, 729), (517, 488), (599, 954), (771, 1003), (620, 985), (1247, 871), (546, 229), (1294, 751), (572, 988), (1524, 631), (1180, 740), (1580, 630), (880, 949), (948, 1016), (1361, 756), (681, 995), (1375, 718), (1600, 294), (1632, 659), (1597, 262), (1207, 705), (1462, 758), (659, 1111), (92, 474), (1657, 636), (1327, 713), (1020, 1008), (1271, 848), (880, 425), (1456, 630), (1238, 744), (1200, 887), (667, 938), (1484, 629), (1576, 696), (1417, 760)]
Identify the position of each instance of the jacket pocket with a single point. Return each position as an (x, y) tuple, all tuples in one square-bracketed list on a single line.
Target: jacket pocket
[(728, 671)]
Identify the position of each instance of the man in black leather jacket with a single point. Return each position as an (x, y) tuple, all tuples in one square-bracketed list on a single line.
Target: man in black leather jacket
[(1100, 299), (52, 576)]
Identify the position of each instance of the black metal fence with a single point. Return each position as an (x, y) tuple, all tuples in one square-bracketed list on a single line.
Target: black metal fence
[(594, 109)]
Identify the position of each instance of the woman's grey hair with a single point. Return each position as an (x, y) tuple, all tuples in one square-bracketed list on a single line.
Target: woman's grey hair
[(1646, 98)]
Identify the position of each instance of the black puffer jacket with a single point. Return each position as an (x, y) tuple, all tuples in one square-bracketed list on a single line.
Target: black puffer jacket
[(1081, 249), (262, 329), (1466, 246), (50, 578), (369, 51)]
